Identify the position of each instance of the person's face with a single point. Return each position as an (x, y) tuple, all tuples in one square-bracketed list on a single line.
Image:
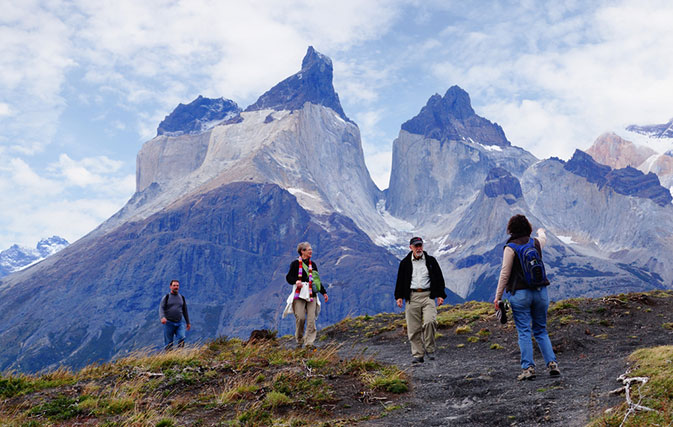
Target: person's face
[(417, 249), (175, 286), (307, 252)]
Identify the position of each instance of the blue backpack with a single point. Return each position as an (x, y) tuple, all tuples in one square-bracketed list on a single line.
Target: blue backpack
[(532, 266)]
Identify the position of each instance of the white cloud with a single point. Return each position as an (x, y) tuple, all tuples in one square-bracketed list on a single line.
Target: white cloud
[(5, 110), (576, 73), (70, 198)]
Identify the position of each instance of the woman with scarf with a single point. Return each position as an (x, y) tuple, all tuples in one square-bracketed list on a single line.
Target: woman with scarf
[(529, 304), (303, 301)]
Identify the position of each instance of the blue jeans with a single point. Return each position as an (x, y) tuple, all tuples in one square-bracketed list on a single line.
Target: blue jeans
[(529, 307), (174, 329)]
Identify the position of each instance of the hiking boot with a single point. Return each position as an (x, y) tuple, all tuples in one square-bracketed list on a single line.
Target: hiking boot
[(554, 371), (417, 360), (527, 374)]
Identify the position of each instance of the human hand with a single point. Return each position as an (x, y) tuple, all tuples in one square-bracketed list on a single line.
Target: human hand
[(497, 304), (298, 283), (399, 302), (189, 326), (440, 301), (163, 320), (326, 298)]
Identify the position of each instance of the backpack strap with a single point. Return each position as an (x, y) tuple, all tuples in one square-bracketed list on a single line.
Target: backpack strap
[(166, 301)]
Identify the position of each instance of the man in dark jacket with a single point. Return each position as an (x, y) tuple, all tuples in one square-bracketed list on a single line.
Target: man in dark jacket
[(172, 309), (419, 282)]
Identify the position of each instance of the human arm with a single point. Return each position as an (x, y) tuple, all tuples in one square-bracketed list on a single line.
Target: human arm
[(402, 282), (542, 237), (505, 272), (162, 313), (437, 284), (292, 275), (185, 313)]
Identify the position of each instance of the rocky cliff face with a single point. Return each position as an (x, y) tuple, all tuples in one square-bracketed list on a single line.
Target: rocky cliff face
[(587, 215), (431, 178), (627, 181)]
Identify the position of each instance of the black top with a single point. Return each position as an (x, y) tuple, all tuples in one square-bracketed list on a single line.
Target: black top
[(292, 275), (403, 284)]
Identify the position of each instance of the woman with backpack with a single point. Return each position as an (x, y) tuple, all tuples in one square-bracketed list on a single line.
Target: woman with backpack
[(523, 276)]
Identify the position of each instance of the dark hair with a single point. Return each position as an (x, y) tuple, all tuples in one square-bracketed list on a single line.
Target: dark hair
[(518, 225), (174, 280)]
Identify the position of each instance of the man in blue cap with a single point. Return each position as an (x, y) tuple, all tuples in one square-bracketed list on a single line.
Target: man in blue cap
[(419, 283)]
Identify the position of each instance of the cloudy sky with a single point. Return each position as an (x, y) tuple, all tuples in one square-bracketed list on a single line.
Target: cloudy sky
[(84, 83)]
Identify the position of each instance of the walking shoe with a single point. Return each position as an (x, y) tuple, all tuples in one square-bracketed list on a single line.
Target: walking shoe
[(417, 360), (554, 371), (431, 356), (527, 374)]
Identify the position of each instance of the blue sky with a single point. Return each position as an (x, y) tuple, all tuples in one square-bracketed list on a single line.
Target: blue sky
[(84, 83)]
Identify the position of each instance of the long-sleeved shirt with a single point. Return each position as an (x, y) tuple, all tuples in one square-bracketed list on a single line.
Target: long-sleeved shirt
[(173, 307), (508, 257)]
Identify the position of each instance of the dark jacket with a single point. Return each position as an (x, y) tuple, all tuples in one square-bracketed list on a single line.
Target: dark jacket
[(516, 280), (292, 278), (403, 284)]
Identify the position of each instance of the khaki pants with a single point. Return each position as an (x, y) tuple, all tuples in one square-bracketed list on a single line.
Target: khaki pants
[(421, 315), (304, 313)]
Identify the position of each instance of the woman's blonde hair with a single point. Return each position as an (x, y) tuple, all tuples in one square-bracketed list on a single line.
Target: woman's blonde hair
[(302, 246)]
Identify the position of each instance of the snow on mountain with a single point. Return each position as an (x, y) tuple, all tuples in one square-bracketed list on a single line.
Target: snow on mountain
[(18, 257), (660, 131)]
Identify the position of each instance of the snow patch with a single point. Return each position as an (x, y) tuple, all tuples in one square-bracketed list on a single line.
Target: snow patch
[(568, 240), (296, 191)]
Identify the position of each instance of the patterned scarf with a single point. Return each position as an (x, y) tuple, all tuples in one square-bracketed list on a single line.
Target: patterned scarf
[(300, 275)]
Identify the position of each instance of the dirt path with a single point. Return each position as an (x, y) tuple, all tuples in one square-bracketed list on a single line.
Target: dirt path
[(470, 383)]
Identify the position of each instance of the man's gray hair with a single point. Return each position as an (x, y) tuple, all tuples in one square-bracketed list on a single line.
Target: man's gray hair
[(302, 246)]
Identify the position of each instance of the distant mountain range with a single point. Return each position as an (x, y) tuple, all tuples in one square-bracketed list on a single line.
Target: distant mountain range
[(224, 194), (18, 257)]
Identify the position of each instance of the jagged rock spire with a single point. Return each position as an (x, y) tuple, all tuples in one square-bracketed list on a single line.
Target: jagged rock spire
[(451, 118), (312, 84)]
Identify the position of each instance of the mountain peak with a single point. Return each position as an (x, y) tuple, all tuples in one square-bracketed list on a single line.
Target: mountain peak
[(612, 150), (317, 59), (452, 118), (197, 116), (627, 181), (312, 84)]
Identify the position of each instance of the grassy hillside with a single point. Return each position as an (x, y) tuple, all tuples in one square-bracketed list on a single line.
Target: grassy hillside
[(361, 375), (225, 382)]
